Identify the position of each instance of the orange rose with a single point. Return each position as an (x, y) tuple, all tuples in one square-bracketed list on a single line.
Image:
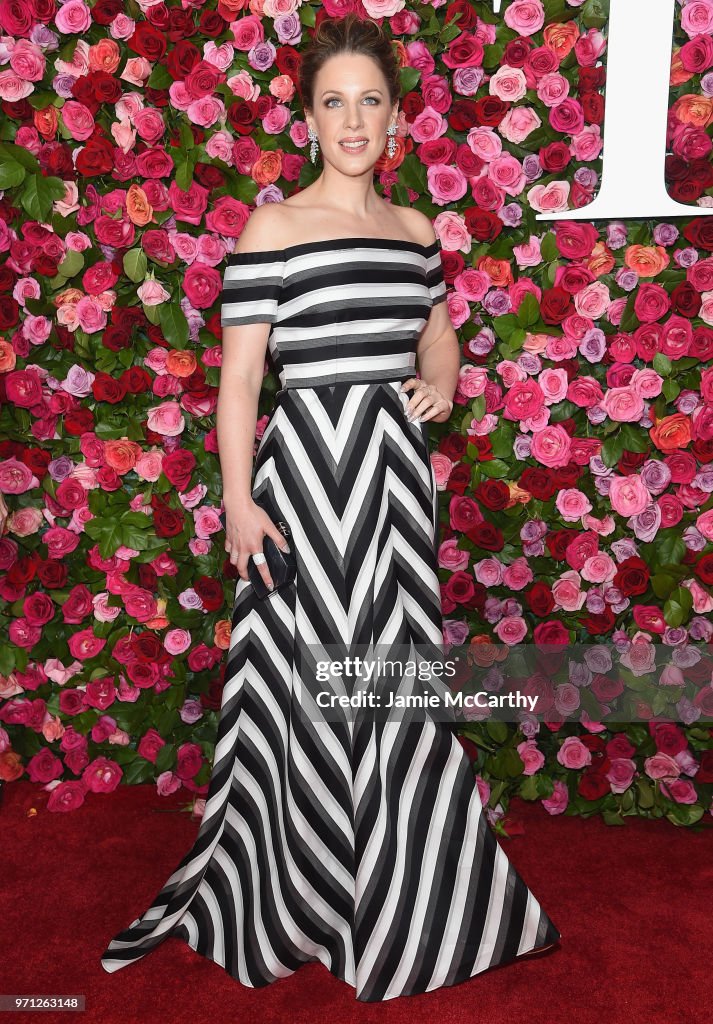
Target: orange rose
[(138, 208), (121, 455), (671, 432), (679, 75), (484, 652), (104, 56), (221, 635), (8, 357), (561, 37), (180, 364), (517, 495), (499, 271), (46, 121), (695, 110), (601, 261), (10, 766), (646, 260), (267, 168)]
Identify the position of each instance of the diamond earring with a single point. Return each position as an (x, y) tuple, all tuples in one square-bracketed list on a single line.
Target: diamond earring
[(391, 145), (312, 135)]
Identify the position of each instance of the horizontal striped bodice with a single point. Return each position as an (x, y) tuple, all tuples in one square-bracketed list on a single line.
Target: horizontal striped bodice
[(346, 310)]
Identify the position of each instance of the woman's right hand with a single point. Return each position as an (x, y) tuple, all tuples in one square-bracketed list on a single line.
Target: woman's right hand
[(244, 533)]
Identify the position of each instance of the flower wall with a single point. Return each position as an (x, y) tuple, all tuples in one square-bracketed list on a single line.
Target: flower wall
[(575, 475)]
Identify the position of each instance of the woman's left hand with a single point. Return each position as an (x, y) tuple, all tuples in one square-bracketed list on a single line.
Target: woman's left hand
[(427, 402)]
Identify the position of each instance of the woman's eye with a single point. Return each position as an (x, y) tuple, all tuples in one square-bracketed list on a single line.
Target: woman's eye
[(335, 99)]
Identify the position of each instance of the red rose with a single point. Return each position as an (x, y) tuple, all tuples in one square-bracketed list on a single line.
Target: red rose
[(490, 111), (454, 446), (668, 737), (178, 467), (555, 305), (685, 300), (96, 158), (486, 536), (148, 41), (555, 157), (592, 107), (705, 772), (593, 786), (597, 625), (538, 483), (210, 592), (632, 576), (540, 599), (167, 522), (459, 479), (494, 494), (553, 632), (704, 570), (699, 232), (558, 541), (483, 225), (52, 574), (106, 388), (146, 647)]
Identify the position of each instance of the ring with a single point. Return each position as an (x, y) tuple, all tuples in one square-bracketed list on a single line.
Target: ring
[(259, 558)]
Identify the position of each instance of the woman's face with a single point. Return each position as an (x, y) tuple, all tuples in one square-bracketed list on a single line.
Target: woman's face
[(351, 101)]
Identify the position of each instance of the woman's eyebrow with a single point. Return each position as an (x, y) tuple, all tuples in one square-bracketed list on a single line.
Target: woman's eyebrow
[(337, 92)]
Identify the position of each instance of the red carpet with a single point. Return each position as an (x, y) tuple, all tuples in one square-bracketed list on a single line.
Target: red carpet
[(632, 903)]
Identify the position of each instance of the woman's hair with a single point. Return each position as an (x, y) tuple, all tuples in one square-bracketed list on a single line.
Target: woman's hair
[(350, 34)]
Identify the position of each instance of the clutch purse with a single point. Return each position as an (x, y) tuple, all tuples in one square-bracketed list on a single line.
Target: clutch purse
[(282, 565)]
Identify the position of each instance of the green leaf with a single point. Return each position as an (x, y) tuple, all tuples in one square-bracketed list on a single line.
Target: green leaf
[(613, 449), (677, 608), (635, 440), (528, 312), (173, 324), (135, 264), (495, 468), (505, 325), (548, 248), (38, 195), (12, 173), (72, 264), (662, 364), (478, 407)]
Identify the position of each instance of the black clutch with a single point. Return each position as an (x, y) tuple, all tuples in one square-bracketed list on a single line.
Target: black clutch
[(282, 565)]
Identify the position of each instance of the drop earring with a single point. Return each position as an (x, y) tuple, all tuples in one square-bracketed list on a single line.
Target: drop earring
[(312, 135), (391, 145)]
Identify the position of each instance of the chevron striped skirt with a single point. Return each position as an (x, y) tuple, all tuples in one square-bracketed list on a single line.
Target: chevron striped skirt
[(361, 845)]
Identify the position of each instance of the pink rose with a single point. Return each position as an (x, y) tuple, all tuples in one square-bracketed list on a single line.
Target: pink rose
[(103, 775), (624, 405), (557, 803), (532, 758), (489, 572), (662, 766), (446, 184), (682, 791), (572, 504), (166, 419), (628, 495), (551, 446), (508, 84), (525, 16), (574, 754), (511, 629), (593, 300), (523, 400), (485, 143), (621, 773), (599, 568), (549, 198), (567, 591), (518, 123), (518, 574), (442, 468), (73, 18)]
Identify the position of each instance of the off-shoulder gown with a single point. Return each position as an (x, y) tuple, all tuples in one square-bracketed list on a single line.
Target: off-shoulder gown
[(367, 847)]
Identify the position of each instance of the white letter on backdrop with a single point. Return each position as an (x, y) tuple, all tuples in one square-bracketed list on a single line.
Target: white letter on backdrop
[(636, 111)]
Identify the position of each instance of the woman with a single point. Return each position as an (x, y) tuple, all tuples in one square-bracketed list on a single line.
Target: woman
[(361, 844)]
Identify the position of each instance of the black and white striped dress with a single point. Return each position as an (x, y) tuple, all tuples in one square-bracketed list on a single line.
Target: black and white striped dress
[(364, 846)]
